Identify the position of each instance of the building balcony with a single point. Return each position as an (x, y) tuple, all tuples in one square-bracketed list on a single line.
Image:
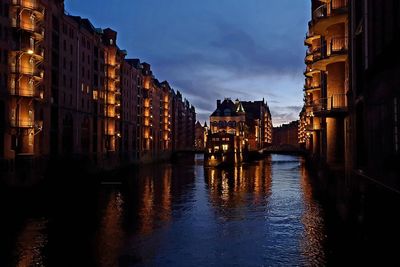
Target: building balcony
[(31, 5), (36, 29), (313, 55), (331, 106), (14, 123), (28, 71), (37, 93), (327, 15), (312, 87), (310, 37), (336, 50), (310, 128), (310, 71)]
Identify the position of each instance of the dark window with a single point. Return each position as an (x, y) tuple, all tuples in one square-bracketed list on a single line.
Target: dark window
[(56, 24), (6, 8), (5, 32), (96, 52), (95, 80)]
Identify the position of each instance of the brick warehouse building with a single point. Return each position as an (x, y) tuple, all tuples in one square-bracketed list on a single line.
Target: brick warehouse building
[(67, 90)]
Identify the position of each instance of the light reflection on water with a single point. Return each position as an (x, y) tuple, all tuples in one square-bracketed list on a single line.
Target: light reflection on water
[(261, 213), (30, 243)]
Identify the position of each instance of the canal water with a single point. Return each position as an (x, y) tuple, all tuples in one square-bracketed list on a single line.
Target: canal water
[(258, 214)]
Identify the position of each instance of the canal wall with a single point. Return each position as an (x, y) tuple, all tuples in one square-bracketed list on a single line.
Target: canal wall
[(361, 213), (28, 173)]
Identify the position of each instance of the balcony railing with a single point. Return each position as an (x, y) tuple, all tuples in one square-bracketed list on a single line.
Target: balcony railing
[(327, 10), (339, 4), (22, 123), (309, 127), (336, 102), (38, 29), (320, 12), (36, 93), (338, 45), (313, 55), (36, 72)]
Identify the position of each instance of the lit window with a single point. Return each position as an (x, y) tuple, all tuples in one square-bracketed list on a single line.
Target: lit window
[(225, 147), (216, 148)]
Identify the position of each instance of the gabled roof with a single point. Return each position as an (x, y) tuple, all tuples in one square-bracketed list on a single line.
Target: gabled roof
[(226, 108)]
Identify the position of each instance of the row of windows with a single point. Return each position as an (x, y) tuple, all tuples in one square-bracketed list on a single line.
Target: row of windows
[(224, 123), (222, 139)]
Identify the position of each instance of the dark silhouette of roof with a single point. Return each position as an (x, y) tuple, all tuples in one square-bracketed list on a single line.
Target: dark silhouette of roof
[(226, 108)]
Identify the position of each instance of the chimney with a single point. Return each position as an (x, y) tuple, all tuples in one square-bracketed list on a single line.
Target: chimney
[(218, 103)]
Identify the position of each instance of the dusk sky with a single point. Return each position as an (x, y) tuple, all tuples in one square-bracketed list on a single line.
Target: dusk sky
[(212, 49)]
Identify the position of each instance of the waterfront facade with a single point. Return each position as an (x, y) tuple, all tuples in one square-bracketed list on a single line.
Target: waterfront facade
[(237, 128), (326, 87), (68, 91), (375, 91), (200, 136), (350, 118), (259, 123), (286, 134)]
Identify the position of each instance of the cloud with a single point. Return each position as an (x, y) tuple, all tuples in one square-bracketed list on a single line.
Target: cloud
[(281, 115)]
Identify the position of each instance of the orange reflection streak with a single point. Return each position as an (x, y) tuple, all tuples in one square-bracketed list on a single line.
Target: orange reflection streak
[(110, 238), (230, 188), (31, 242), (313, 236), (147, 210), (166, 196)]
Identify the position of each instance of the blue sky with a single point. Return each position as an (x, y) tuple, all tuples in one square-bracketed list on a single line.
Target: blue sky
[(212, 49)]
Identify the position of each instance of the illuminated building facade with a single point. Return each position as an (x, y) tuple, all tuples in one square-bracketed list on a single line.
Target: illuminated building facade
[(350, 118), (259, 122), (227, 138), (327, 81), (183, 126), (237, 128), (68, 91), (200, 136)]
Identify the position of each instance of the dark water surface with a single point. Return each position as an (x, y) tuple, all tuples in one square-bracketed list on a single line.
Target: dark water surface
[(259, 214)]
